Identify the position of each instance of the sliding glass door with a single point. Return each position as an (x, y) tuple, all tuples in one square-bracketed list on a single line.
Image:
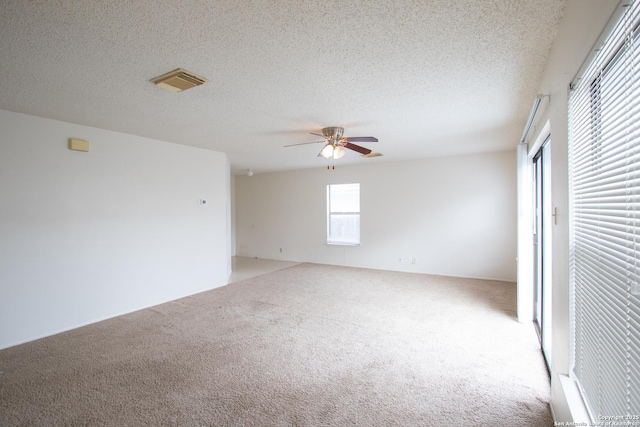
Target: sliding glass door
[(541, 241)]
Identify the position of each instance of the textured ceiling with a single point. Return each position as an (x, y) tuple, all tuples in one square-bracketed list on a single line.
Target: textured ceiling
[(428, 78)]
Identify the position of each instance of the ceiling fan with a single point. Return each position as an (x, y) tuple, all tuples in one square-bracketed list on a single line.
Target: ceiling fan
[(335, 143)]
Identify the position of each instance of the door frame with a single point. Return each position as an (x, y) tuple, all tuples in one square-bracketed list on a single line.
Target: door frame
[(542, 222), (525, 254)]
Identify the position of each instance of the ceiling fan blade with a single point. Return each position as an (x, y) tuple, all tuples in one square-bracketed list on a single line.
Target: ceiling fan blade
[(362, 139), (304, 143), (357, 148), (317, 134), (370, 155)]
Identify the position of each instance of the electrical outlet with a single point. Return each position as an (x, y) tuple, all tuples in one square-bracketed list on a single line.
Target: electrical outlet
[(413, 260), (400, 260)]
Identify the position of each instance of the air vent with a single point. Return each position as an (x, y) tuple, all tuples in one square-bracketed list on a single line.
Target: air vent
[(178, 80)]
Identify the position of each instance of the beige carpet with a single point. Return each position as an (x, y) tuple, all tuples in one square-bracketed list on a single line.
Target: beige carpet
[(309, 345)]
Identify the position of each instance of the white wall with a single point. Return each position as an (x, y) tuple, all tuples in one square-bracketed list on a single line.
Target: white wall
[(582, 23), (87, 236), (455, 215)]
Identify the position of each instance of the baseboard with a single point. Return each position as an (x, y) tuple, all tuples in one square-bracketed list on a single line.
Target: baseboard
[(101, 319)]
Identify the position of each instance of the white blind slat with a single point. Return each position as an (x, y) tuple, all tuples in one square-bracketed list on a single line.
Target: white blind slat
[(604, 188)]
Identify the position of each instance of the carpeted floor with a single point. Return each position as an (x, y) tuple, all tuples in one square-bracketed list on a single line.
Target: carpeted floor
[(310, 345)]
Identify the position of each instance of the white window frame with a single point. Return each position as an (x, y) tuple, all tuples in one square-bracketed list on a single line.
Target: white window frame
[(334, 238)]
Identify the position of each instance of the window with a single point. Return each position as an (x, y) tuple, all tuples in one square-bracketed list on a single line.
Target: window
[(343, 214), (604, 176)]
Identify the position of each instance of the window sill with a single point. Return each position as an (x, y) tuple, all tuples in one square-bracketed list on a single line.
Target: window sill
[(575, 403), (342, 244)]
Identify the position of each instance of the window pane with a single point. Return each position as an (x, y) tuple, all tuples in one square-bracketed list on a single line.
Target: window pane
[(345, 198), (344, 229)]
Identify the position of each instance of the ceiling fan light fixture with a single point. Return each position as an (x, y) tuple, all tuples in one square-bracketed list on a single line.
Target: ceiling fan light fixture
[(338, 152), (327, 151)]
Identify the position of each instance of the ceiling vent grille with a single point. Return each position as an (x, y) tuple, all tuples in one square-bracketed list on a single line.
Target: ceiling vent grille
[(178, 80)]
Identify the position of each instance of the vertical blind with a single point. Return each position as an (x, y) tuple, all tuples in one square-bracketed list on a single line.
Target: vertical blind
[(604, 180)]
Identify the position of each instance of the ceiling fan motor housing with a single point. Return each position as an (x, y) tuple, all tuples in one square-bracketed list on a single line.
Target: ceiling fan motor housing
[(333, 134)]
